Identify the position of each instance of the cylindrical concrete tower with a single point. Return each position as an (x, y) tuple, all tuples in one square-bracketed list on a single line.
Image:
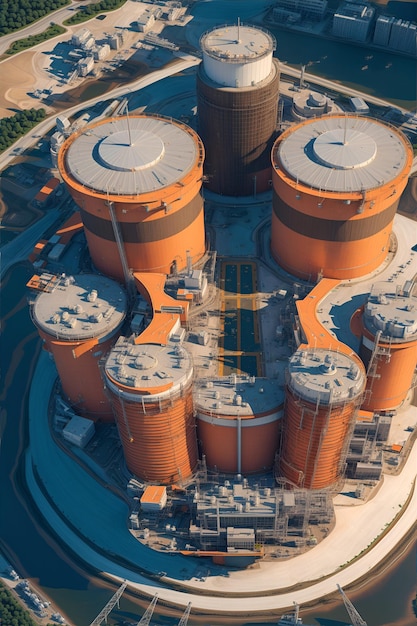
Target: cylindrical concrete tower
[(79, 321), (324, 390), (137, 181), (151, 392), (337, 181), (389, 346), (239, 422), (237, 98)]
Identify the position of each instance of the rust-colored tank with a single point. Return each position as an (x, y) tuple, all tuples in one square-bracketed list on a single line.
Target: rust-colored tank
[(388, 346), (137, 181), (237, 97), (151, 393), (337, 181), (239, 422), (324, 390), (79, 319)]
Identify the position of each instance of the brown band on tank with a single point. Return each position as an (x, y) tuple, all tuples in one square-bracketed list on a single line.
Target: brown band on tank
[(332, 230), (145, 232)]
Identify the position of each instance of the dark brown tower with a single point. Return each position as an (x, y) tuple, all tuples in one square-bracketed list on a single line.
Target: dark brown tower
[(237, 95)]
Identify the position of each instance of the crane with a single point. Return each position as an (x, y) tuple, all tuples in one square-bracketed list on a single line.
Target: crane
[(355, 618), (147, 616), (184, 619), (109, 606)]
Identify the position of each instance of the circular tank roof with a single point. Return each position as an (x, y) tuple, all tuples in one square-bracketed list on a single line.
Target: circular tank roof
[(393, 314), (81, 307), (342, 154), (233, 396), (132, 155), (234, 44), (148, 366), (325, 376)]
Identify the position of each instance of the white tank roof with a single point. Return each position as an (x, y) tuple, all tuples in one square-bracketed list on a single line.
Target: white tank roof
[(393, 314), (147, 366), (325, 376), (342, 154), (130, 156), (238, 396), (237, 55), (81, 307)]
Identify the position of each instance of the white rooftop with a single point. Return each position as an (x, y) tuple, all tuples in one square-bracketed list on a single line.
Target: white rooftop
[(81, 307), (325, 376), (342, 154), (395, 315), (237, 43), (134, 155), (148, 366), (245, 396)]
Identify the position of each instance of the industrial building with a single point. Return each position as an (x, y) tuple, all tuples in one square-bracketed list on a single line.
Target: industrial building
[(324, 391), (137, 180), (228, 464), (237, 96), (353, 20), (388, 345), (79, 318), (337, 181)]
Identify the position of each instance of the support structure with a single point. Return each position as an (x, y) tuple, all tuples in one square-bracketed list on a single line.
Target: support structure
[(147, 616), (109, 606), (354, 616)]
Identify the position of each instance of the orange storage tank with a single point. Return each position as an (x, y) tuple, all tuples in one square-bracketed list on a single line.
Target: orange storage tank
[(337, 181), (239, 422), (151, 392), (79, 320), (324, 391), (137, 181), (388, 346)]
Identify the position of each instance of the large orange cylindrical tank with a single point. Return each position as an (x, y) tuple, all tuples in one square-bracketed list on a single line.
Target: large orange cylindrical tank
[(151, 392), (324, 390), (137, 181), (239, 422), (79, 320), (337, 181), (388, 346)]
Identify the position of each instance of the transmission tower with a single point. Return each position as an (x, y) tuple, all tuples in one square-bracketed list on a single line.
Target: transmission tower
[(355, 618), (109, 606), (184, 619), (147, 616)]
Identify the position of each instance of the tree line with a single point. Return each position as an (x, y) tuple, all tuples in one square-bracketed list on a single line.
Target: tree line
[(14, 127), (16, 14)]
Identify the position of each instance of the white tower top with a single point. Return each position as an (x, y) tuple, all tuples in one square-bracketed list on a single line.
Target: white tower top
[(236, 55)]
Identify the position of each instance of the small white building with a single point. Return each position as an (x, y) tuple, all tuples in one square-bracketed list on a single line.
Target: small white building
[(359, 105), (85, 65), (145, 21), (81, 36), (79, 431)]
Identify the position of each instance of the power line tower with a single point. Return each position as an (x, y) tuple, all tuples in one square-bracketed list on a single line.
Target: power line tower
[(109, 606), (184, 619), (355, 618), (147, 616)]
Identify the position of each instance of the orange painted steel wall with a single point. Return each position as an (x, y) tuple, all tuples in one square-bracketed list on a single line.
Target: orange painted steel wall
[(80, 376), (393, 374), (313, 440), (259, 444), (139, 210), (309, 257), (159, 443)]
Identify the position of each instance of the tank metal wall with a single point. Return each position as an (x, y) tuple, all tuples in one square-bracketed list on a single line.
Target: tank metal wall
[(158, 437), (238, 128), (390, 376), (314, 440), (79, 370), (219, 443)]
